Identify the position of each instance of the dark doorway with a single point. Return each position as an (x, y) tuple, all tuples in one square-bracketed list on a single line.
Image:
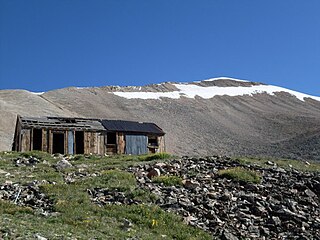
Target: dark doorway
[(111, 138), (37, 139), (79, 142), (58, 143)]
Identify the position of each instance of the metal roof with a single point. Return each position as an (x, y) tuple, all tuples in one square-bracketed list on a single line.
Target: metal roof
[(130, 126)]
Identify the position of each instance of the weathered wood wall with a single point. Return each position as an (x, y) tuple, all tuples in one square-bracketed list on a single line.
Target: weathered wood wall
[(101, 147), (18, 136), (50, 140), (120, 143), (161, 144), (25, 140), (44, 140), (92, 143)]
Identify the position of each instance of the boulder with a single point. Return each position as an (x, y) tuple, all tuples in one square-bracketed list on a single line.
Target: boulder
[(153, 172), (63, 164)]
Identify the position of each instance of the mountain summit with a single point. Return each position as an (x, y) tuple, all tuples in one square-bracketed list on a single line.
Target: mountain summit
[(222, 116), (210, 88)]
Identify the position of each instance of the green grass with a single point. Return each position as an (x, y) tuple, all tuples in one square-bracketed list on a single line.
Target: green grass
[(10, 208), (240, 174), (24, 174), (37, 154), (100, 163), (112, 179), (168, 180), (283, 163), (76, 216), (156, 156)]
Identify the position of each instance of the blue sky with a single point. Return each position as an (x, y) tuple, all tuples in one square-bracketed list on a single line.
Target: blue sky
[(48, 44)]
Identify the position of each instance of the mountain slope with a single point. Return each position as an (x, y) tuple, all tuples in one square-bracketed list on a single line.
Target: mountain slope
[(215, 116), (13, 102)]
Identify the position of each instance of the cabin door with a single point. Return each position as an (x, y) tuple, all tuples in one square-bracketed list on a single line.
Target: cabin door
[(70, 142), (58, 142), (136, 144)]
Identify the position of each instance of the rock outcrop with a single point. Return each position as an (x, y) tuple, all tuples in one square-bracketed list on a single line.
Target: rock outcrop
[(284, 205)]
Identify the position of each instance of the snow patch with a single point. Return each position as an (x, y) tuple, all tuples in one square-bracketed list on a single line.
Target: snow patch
[(37, 93), (80, 88), (190, 91)]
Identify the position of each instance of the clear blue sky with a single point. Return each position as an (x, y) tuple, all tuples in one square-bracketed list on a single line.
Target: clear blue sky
[(49, 44)]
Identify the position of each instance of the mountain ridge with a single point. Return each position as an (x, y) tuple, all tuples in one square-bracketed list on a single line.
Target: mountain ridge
[(263, 123)]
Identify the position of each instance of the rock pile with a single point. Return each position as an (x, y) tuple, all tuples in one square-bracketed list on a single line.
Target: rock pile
[(104, 196), (285, 205), (23, 161), (26, 195)]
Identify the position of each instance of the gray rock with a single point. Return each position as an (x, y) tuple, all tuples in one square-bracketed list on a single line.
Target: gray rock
[(189, 184), (226, 235), (3, 172), (39, 237), (63, 164)]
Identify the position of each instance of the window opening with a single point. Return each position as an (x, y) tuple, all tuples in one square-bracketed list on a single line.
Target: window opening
[(111, 138), (152, 141)]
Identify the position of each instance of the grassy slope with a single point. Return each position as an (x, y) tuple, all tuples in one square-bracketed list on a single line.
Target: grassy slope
[(78, 217)]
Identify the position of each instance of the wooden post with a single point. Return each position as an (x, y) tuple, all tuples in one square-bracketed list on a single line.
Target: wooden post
[(101, 145), (20, 140), (120, 143), (44, 144), (65, 142), (86, 143), (50, 141), (31, 139), (161, 143), (25, 140)]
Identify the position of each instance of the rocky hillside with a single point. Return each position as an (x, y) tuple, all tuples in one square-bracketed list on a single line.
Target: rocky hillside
[(283, 204), (215, 116), (128, 197)]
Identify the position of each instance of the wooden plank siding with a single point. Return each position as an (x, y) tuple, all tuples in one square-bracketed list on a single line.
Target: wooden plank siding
[(50, 141), (19, 147), (161, 144), (120, 143), (17, 136), (94, 142), (31, 139), (86, 143), (25, 140), (44, 140), (101, 144), (29, 130), (91, 143), (65, 141)]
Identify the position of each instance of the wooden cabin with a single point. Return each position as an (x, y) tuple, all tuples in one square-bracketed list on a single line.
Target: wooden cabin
[(84, 136)]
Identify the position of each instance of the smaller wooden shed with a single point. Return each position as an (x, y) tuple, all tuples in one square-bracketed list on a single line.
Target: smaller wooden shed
[(128, 137), (85, 135)]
